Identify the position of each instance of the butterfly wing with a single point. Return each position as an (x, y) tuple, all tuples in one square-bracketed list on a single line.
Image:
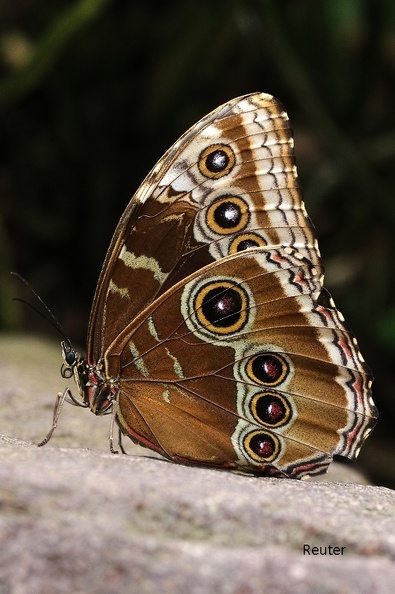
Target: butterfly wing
[(210, 326), (240, 365), (229, 183)]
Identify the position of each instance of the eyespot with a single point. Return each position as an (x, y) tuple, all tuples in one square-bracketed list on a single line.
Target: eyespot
[(245, 241), (222, 307), (267, 369), (228, 214), (261, 446), (270, 408), (216, 161)]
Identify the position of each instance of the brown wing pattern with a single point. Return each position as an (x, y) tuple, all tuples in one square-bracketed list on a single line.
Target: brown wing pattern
[(244, 370), (229, 183)]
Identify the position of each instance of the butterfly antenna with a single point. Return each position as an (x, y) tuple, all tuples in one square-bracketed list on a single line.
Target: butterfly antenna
[(50, 317)]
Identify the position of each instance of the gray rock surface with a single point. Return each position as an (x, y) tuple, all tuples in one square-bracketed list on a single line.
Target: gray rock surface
[(86, 521)]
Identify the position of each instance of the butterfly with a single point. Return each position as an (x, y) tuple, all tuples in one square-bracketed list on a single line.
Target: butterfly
[(211, 338)]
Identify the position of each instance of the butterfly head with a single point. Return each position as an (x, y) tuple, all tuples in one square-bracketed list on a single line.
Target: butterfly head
[(71, 359)]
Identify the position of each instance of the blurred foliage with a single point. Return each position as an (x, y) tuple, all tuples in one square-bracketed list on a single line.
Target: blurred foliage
[(92, 92)]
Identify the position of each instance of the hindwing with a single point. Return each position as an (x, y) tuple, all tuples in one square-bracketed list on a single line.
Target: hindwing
[(240, 366)]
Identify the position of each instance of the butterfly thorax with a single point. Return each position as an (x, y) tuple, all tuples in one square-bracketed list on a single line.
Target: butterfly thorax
[(97, 391)]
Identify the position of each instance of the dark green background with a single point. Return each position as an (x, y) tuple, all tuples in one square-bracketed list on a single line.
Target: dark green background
[(92, 92)]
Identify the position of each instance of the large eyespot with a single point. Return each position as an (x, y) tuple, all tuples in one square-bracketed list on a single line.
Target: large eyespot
[(222, 307), (216, 160), (245, 241), (268, 369), (269, 408), (261, 446), (228, 214)]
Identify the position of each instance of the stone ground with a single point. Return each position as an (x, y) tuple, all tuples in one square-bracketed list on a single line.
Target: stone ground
[(81, 520)]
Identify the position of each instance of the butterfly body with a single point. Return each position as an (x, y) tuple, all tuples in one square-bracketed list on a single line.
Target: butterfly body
[(211, 338)]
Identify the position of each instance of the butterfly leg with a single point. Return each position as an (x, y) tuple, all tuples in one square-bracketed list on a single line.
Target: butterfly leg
[(111, 433), (61, 397)]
